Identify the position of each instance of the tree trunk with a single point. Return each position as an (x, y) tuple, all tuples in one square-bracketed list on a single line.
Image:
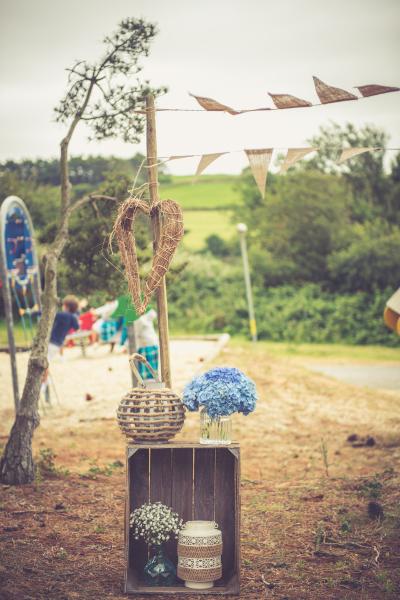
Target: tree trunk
[(17, 464)]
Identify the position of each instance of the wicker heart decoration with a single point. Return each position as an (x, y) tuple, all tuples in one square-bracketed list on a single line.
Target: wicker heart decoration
[(171, 233)]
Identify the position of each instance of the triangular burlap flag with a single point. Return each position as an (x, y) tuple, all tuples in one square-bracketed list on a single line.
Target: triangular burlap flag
[(350, 152), (259, 163), (288, 101), (293, 155), (210, 104), (374, 89), (328, 93), (178, 156), (205, 161)]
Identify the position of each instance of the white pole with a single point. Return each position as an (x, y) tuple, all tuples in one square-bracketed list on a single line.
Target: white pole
[(242, 230)]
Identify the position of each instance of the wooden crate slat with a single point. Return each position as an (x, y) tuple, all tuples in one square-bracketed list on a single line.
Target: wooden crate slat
[(161, 476), (139, 494), (161, 486), (182, 482), (204, 473), (225, 499), (182, 487), (133, 448)]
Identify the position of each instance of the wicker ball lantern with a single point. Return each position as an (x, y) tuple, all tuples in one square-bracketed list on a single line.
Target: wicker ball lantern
[(150, 413)]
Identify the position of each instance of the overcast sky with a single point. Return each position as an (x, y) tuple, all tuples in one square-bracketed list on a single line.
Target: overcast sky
[(232, 50)]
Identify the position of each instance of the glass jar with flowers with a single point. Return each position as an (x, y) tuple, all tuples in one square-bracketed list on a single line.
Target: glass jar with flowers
[(156, 523), (219, 393)]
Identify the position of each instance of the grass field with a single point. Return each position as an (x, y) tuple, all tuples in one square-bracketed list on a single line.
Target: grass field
[(21, 339), (209, 192), (200, 224), (206, 206), (332, 352)]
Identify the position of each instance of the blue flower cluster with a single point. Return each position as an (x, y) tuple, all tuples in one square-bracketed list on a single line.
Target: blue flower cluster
[(222, 391)]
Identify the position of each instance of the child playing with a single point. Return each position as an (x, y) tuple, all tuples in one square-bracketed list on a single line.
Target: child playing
[(147, 342), (64, 321)]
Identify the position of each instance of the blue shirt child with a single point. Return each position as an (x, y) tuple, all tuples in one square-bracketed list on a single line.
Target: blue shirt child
[(63, 322)]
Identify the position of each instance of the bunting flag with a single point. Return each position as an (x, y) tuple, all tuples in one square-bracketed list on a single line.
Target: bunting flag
[(259, 161), (179, 156), (205, 161), (288, 101), (293, 155), (210, 104), (374, 89), (348, 153), (327, 93)]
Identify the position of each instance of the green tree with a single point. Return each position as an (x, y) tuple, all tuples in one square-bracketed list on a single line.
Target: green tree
[(364, 174), (294, 229), (369, 263), (90, 267)]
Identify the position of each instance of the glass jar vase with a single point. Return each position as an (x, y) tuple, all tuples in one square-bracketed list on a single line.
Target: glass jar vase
[(159, 570), (215, 430)]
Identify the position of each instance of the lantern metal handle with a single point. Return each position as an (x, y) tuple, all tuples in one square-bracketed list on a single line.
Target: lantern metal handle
[(140, 358)]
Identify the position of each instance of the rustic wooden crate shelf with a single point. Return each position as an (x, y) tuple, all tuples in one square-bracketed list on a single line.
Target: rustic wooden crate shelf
[(198, 482)]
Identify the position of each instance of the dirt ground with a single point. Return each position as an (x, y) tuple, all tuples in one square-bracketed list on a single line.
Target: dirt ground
[(320, 514)]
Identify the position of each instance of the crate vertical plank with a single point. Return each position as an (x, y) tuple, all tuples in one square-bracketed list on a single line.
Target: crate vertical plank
[(182, 487), (139, 494), (182, 482), (225, 504), (161, 485), (161, 476), (204, 475)]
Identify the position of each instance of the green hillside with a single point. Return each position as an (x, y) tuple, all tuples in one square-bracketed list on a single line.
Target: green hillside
[(199, 224), (206, 204), (208, 192)]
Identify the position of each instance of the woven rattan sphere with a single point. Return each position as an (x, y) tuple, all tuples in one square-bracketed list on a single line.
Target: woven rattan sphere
[(150, 415)]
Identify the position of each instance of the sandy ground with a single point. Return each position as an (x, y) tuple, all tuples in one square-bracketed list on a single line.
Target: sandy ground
[(103, 377)]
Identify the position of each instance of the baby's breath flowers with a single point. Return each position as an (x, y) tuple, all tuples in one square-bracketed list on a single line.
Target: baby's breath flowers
[(155, 523)]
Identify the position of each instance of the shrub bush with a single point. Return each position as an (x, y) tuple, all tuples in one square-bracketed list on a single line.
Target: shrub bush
[(209, 296)]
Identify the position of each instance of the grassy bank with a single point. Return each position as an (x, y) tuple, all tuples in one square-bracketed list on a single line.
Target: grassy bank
[(211, 192)]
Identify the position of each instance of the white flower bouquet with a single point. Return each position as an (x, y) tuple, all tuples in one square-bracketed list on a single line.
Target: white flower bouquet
[(155, 523)]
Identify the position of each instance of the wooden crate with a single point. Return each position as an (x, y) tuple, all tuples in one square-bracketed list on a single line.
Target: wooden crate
[(198, 482)]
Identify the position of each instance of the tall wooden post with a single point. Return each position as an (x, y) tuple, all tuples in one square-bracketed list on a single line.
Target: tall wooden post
[(132, 348), (10, 330), (162, 304)]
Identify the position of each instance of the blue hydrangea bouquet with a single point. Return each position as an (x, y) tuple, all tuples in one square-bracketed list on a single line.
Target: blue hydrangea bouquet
[(221, 391)]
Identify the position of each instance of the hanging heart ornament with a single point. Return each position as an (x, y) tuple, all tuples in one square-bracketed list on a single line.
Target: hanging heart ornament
[(171, 232)]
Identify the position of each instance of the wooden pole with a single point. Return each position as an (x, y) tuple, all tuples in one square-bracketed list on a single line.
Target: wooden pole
[(10, 330), (162, 304), (132, 348)]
